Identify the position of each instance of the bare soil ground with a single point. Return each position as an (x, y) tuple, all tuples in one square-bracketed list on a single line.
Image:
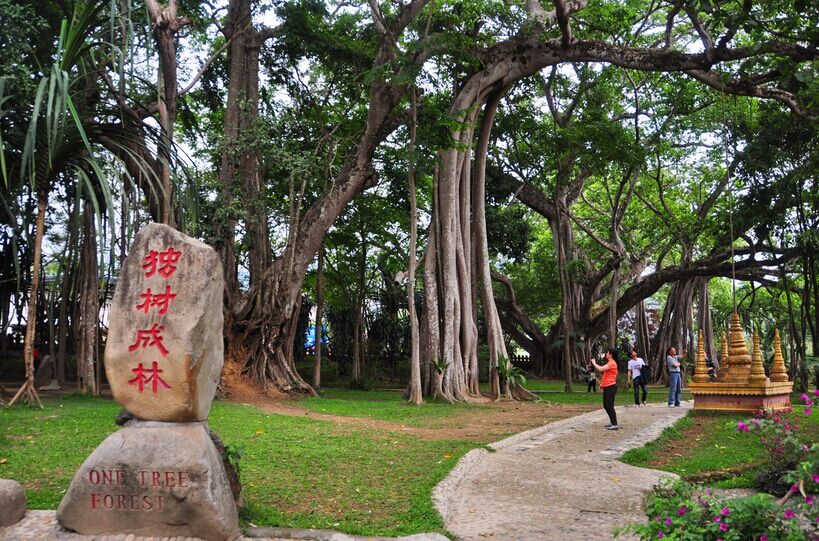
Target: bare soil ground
[(488, 424), (682, 447)]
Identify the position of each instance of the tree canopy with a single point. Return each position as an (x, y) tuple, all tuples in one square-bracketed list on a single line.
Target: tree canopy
[(570, 161)]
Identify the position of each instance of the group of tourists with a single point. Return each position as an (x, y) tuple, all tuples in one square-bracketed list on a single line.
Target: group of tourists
[(638, 371)]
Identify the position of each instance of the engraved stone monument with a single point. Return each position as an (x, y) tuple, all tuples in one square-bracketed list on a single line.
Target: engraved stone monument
[(161, 475)]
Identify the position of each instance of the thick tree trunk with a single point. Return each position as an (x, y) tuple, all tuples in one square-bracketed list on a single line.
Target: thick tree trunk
[(431, 329), (414, 391), (574, 355), (675, 327), (240, 164), (87, 347), (704, 321), (643, 344), (361, 296), (494, 331), (66, 288), (166, 24), (798, 365), (261, 317), (319, 319)]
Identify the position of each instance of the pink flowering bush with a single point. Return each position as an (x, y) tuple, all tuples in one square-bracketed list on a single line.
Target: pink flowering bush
[(793, 464), (681, 511)]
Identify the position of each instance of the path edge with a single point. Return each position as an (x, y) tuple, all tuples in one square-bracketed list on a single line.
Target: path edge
[(443, 492)]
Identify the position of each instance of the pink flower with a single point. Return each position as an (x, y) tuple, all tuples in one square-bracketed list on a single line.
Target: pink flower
[(717, 518), (763, 537), (723, 527), (725, 511), (660, 535), (807, 411), (789, 513), (809, 499), (815, 478), (681, 511), (816, 392), (742, 427), (804, 397), (805, 447)]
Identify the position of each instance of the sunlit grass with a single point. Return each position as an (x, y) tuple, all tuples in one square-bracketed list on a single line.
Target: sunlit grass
[(296, 472), (714, 447)]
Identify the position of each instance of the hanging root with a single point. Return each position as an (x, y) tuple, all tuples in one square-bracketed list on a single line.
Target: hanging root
[(519, 393), (28, 392)]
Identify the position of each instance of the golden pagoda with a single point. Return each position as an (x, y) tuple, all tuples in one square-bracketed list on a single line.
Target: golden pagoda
[(742, 384)]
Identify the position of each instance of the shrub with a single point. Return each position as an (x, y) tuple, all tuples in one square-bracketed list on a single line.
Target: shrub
[(681, 511)]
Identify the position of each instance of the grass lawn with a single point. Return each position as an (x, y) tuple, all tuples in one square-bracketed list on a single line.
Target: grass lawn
[(707, 447), (371, 475), (382, 405), (552, 391), (296, 472)]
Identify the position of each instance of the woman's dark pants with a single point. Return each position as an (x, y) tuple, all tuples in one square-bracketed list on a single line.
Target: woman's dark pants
[(608, 402)]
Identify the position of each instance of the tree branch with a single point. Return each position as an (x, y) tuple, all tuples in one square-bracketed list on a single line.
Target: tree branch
[(745, 88), (562, 15), (203, 69)]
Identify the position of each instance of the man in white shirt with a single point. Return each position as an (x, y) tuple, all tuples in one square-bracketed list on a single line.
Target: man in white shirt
[(636, 368)]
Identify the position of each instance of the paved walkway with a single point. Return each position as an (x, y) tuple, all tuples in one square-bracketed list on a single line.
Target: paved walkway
[(558, 482)]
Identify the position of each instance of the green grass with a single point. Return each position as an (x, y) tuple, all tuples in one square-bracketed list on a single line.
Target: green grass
[(718, 448), (552, 391), (295, 472), (384, 406)]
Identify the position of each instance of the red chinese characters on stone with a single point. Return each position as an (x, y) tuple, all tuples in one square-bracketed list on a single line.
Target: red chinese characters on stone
[(141, 379), (162, 262), (160, 300), (149, 337)]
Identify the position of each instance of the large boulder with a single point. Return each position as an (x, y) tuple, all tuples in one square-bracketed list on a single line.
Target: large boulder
[(12, 502), (153, 479), (164, 351)]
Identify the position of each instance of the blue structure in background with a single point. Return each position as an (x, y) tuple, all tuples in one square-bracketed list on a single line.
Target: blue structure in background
[(310, 338)]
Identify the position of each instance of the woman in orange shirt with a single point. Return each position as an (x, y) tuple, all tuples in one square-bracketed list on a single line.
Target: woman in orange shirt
[(609, 385)]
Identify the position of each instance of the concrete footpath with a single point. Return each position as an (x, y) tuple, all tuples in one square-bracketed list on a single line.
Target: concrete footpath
[(557, 482)]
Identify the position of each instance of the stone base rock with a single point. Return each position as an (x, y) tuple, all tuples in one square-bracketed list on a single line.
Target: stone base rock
[(12, 502), (153, 479)]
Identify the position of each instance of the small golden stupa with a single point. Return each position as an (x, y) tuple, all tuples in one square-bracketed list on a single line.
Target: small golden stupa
[(741, 384)]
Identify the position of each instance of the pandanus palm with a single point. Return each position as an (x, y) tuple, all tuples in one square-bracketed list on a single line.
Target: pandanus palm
[(65, 141)]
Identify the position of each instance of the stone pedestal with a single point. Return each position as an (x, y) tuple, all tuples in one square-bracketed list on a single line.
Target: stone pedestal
[(153, 479), (161, 475), (742, 385), (741, 397)]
